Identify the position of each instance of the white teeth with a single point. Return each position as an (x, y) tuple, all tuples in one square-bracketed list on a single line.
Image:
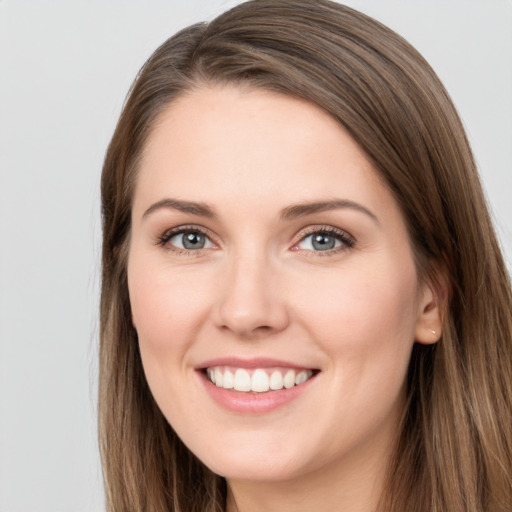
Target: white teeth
[(276, 380), (242, 380), (289, 379), (261, 380), (301, 377), (218, 377), (228, 380)]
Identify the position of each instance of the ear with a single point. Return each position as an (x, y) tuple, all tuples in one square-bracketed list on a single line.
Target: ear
[(432, 306)]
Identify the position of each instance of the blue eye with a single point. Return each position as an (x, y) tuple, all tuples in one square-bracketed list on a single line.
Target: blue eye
[(186, 239), (325, 240)]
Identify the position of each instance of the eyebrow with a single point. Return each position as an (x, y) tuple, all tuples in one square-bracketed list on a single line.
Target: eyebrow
[(201, 209), (290, 212), (303, 209)]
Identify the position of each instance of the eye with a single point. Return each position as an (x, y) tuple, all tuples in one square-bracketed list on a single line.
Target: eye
[(186, 239), (322, 240)]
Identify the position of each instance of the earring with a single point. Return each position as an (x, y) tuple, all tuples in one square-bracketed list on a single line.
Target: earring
[(434, 332)]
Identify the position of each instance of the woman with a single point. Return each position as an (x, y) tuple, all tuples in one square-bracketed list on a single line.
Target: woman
[(303, 300)]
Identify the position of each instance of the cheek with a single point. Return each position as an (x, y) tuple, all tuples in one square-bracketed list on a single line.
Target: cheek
[(363, 315), (167, 308), (365, 324)]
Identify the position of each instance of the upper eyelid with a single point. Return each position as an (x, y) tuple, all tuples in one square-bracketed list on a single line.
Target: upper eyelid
[(187, 227), (322, 228), (171, 232)]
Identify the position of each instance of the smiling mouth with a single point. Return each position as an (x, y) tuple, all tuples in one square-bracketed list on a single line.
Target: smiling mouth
[(257, 380)]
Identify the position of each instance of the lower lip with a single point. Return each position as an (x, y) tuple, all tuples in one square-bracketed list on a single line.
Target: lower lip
[(251, 402)]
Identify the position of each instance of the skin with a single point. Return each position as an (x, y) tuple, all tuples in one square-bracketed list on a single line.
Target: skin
[(260, 289)]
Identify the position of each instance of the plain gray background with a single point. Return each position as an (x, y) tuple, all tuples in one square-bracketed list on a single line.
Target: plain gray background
[(65, 67)]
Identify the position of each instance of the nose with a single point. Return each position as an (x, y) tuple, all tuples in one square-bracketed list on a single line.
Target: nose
[(251, 301)]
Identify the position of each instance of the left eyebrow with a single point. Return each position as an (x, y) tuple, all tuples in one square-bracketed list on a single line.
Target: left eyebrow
[(303, 209), (200, 209)]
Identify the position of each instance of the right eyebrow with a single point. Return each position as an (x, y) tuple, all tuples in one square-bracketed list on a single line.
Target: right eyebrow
[(201, 209)]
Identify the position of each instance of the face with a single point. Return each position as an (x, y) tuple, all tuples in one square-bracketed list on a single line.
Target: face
[(267, 255)]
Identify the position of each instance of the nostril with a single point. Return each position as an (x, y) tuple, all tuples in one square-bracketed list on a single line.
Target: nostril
[(252, 333)]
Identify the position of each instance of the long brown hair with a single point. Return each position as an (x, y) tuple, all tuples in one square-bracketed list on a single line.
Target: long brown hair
[(455, 449)]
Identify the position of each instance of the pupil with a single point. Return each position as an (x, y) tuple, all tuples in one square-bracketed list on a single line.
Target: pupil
[(323, 242), (193, 241)]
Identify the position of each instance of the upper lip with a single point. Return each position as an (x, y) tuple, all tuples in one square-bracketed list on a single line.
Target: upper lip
[(258, 362)]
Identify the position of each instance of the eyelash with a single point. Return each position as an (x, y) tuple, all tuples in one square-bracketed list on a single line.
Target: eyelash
[(346, 240), (164, 239)]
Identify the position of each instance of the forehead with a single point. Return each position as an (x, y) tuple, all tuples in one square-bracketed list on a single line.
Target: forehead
[(245, 146)]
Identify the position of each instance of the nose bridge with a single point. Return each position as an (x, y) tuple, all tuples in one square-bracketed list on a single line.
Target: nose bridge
[(251, 302)]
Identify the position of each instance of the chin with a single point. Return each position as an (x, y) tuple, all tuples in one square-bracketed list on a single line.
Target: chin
[(253, 461), (256, 470)]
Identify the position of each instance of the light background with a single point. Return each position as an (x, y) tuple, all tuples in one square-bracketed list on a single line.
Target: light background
[(65, 67)]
